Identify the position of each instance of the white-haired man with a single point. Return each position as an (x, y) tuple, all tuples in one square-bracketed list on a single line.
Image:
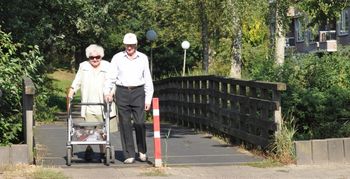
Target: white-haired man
[(131, 74)]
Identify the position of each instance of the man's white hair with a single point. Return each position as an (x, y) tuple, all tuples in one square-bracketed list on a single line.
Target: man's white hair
[(94, 48)]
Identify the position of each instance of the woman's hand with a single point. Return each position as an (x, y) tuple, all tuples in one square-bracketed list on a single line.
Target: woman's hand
[(108, 98), (70, 93)]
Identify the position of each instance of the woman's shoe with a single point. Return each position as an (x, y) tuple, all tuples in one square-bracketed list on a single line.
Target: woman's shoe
[(89, 153)]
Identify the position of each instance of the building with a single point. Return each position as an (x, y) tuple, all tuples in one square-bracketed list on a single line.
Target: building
[(300, 39)]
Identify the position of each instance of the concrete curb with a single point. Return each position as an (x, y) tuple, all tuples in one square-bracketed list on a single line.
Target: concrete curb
[(14, 154), (325, 151)]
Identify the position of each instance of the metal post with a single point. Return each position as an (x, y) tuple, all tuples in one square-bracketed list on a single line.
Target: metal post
[(185, 45), (151, 67), (151, 35), (156, 133), (184, 65)]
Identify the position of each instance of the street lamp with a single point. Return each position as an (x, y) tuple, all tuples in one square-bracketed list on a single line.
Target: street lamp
[(185, 45), (151, 35)]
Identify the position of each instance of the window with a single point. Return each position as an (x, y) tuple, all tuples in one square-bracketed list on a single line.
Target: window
[(310, 36), (344, 22), (299, 29)]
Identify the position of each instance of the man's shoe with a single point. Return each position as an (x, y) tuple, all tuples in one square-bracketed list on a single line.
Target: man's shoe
[(129, 161), (142, 157)]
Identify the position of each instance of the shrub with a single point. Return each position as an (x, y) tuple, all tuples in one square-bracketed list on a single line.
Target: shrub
[(17, 61), (318, 91)]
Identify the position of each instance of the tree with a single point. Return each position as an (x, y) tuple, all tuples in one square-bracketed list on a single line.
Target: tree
[(204, 34), (323, 12), (63, 29)]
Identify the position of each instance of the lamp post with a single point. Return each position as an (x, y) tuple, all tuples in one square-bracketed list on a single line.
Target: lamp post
[(151, 35), (185, 45)]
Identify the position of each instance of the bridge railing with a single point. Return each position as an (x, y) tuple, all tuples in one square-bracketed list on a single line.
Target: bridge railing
[(248, 111)]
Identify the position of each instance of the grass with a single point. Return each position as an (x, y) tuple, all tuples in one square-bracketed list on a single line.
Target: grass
[(283, 145), (40, 152), (62, 79), (29, 172), (267, 163), (153, 172)]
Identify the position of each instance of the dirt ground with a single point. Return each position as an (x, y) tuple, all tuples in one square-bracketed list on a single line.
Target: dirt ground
[(291, 171)]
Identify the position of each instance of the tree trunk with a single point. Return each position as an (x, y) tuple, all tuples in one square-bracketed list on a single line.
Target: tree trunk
[(73, 60), (280, 45), (277, 38), (236, 64), (204, 34), (280, 41)]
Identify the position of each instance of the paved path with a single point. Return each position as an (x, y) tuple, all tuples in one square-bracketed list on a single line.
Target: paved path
[(189, 155), (183, 147)]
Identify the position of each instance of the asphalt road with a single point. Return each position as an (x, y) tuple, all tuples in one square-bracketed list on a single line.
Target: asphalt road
[(183, 146), (185, 153)]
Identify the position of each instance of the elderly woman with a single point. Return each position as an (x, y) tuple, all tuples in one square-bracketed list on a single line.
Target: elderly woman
[(90, 79)]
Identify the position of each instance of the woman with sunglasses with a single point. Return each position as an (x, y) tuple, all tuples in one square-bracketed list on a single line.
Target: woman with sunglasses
[(90, 79)]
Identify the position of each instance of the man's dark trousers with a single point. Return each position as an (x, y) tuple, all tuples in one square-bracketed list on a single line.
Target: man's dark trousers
[(131, 102)]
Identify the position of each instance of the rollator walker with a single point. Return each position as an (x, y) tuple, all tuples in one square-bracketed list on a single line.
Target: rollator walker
[(81, 132)]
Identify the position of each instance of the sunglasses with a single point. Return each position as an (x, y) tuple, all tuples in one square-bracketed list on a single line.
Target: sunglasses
[(93, 57)]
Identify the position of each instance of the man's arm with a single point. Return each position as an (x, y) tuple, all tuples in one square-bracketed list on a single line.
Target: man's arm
[(148, 86), (109, 85)]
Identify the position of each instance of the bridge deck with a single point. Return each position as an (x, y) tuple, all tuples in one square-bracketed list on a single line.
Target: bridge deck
[(184, 147)]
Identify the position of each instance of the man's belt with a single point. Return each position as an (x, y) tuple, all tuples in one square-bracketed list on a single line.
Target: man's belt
[(129, 87)]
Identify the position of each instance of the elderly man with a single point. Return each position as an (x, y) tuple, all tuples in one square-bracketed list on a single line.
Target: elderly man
[(131, 74)]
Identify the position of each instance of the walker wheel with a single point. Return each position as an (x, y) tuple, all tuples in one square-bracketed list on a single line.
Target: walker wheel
[(112, 154), (69, 156), (108, 155)]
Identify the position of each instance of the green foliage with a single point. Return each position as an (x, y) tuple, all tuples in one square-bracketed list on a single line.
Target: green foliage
[(16, 61), (63, 29), (318, 93), (323, 12), (10, 111), (220, 66)]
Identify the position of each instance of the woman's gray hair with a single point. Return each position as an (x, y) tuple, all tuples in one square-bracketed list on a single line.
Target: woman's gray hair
[(94, 48)]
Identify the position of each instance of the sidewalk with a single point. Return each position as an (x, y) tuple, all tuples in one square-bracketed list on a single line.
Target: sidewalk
[(227, 171)]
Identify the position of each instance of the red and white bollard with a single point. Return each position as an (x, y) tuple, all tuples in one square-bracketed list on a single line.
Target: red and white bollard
[(156, 134)]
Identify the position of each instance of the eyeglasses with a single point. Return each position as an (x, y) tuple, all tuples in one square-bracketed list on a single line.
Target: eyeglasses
[(93, 57), (130, 45)]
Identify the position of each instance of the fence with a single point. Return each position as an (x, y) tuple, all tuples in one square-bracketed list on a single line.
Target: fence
[(248, 111)]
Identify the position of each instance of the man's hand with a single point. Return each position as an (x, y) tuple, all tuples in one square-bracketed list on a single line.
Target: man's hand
[(147, 107)]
